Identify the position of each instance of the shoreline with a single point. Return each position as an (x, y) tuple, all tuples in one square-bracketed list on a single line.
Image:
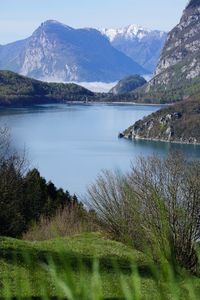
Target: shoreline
[(117, 103), (83, 103), (161, 141), (132, 103)]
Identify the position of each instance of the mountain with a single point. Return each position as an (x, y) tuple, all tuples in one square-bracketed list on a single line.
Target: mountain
[(142, 45), (17, 90), (56, 52), (178, 123), (177, 75), (128, 84), (193, 3)]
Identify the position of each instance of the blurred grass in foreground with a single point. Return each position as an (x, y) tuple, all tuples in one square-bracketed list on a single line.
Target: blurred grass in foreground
[(87, 266)]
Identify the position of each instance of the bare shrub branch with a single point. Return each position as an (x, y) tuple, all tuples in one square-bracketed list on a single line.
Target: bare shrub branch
[(156, 205)]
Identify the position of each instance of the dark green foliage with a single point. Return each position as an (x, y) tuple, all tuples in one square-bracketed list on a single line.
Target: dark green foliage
[(11, 199), (36, 196), (20, 90), (128, 84), (42, 198), (25, 198), (175, 91), (175, 123)]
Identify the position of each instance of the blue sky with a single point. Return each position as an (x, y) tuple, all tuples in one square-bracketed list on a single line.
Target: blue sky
[(19, 18)]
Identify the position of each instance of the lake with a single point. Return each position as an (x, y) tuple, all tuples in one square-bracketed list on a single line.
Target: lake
[(71, 144)]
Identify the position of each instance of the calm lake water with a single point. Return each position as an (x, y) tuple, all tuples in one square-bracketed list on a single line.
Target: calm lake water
[(71, 144)]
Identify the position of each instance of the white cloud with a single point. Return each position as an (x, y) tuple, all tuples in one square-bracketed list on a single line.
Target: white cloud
[(98, 87)]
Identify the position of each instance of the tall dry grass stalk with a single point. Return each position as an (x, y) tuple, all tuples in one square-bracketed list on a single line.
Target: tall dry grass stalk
[(68, 221)]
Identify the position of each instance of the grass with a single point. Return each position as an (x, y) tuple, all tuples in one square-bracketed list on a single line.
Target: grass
[(86, 266)]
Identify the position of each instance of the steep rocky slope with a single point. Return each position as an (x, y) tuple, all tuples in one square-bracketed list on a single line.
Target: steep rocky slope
[(141, 44), (175, 123), (56, 52), (177, 75)]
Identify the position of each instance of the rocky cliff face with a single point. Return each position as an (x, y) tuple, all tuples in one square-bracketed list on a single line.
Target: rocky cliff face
[(177, 77), (56, 52), (183, 42), (141, 44), (178, 72), (178, 123)]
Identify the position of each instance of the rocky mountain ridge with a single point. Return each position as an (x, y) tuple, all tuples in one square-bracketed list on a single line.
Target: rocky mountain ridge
[(56, 52), (177, 75), (141, 44)]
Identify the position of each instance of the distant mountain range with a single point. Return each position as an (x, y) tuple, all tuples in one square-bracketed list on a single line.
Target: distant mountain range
[(141, 44), (56, 52)]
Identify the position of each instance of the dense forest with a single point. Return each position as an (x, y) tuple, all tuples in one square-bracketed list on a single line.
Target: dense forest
[(17, 90), (25, 196)]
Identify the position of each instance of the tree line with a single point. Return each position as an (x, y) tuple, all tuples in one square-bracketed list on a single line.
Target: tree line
[(25, 196)]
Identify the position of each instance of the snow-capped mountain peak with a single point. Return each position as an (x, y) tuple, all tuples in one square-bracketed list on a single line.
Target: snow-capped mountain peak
[(139, 43), (128, 32), (135, 30), (132, 31), (56, 52)]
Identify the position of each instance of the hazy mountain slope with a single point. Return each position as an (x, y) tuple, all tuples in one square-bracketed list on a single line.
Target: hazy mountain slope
[(142, 45), (56, 52), (128, 84), (11, 55)]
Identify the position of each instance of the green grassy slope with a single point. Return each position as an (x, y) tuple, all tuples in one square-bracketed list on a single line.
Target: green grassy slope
[(86, 266), (29, 266)]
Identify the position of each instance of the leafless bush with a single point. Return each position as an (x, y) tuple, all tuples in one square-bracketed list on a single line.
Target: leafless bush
[(156, 206), (4, 142), (9, 155), (111, 197)]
